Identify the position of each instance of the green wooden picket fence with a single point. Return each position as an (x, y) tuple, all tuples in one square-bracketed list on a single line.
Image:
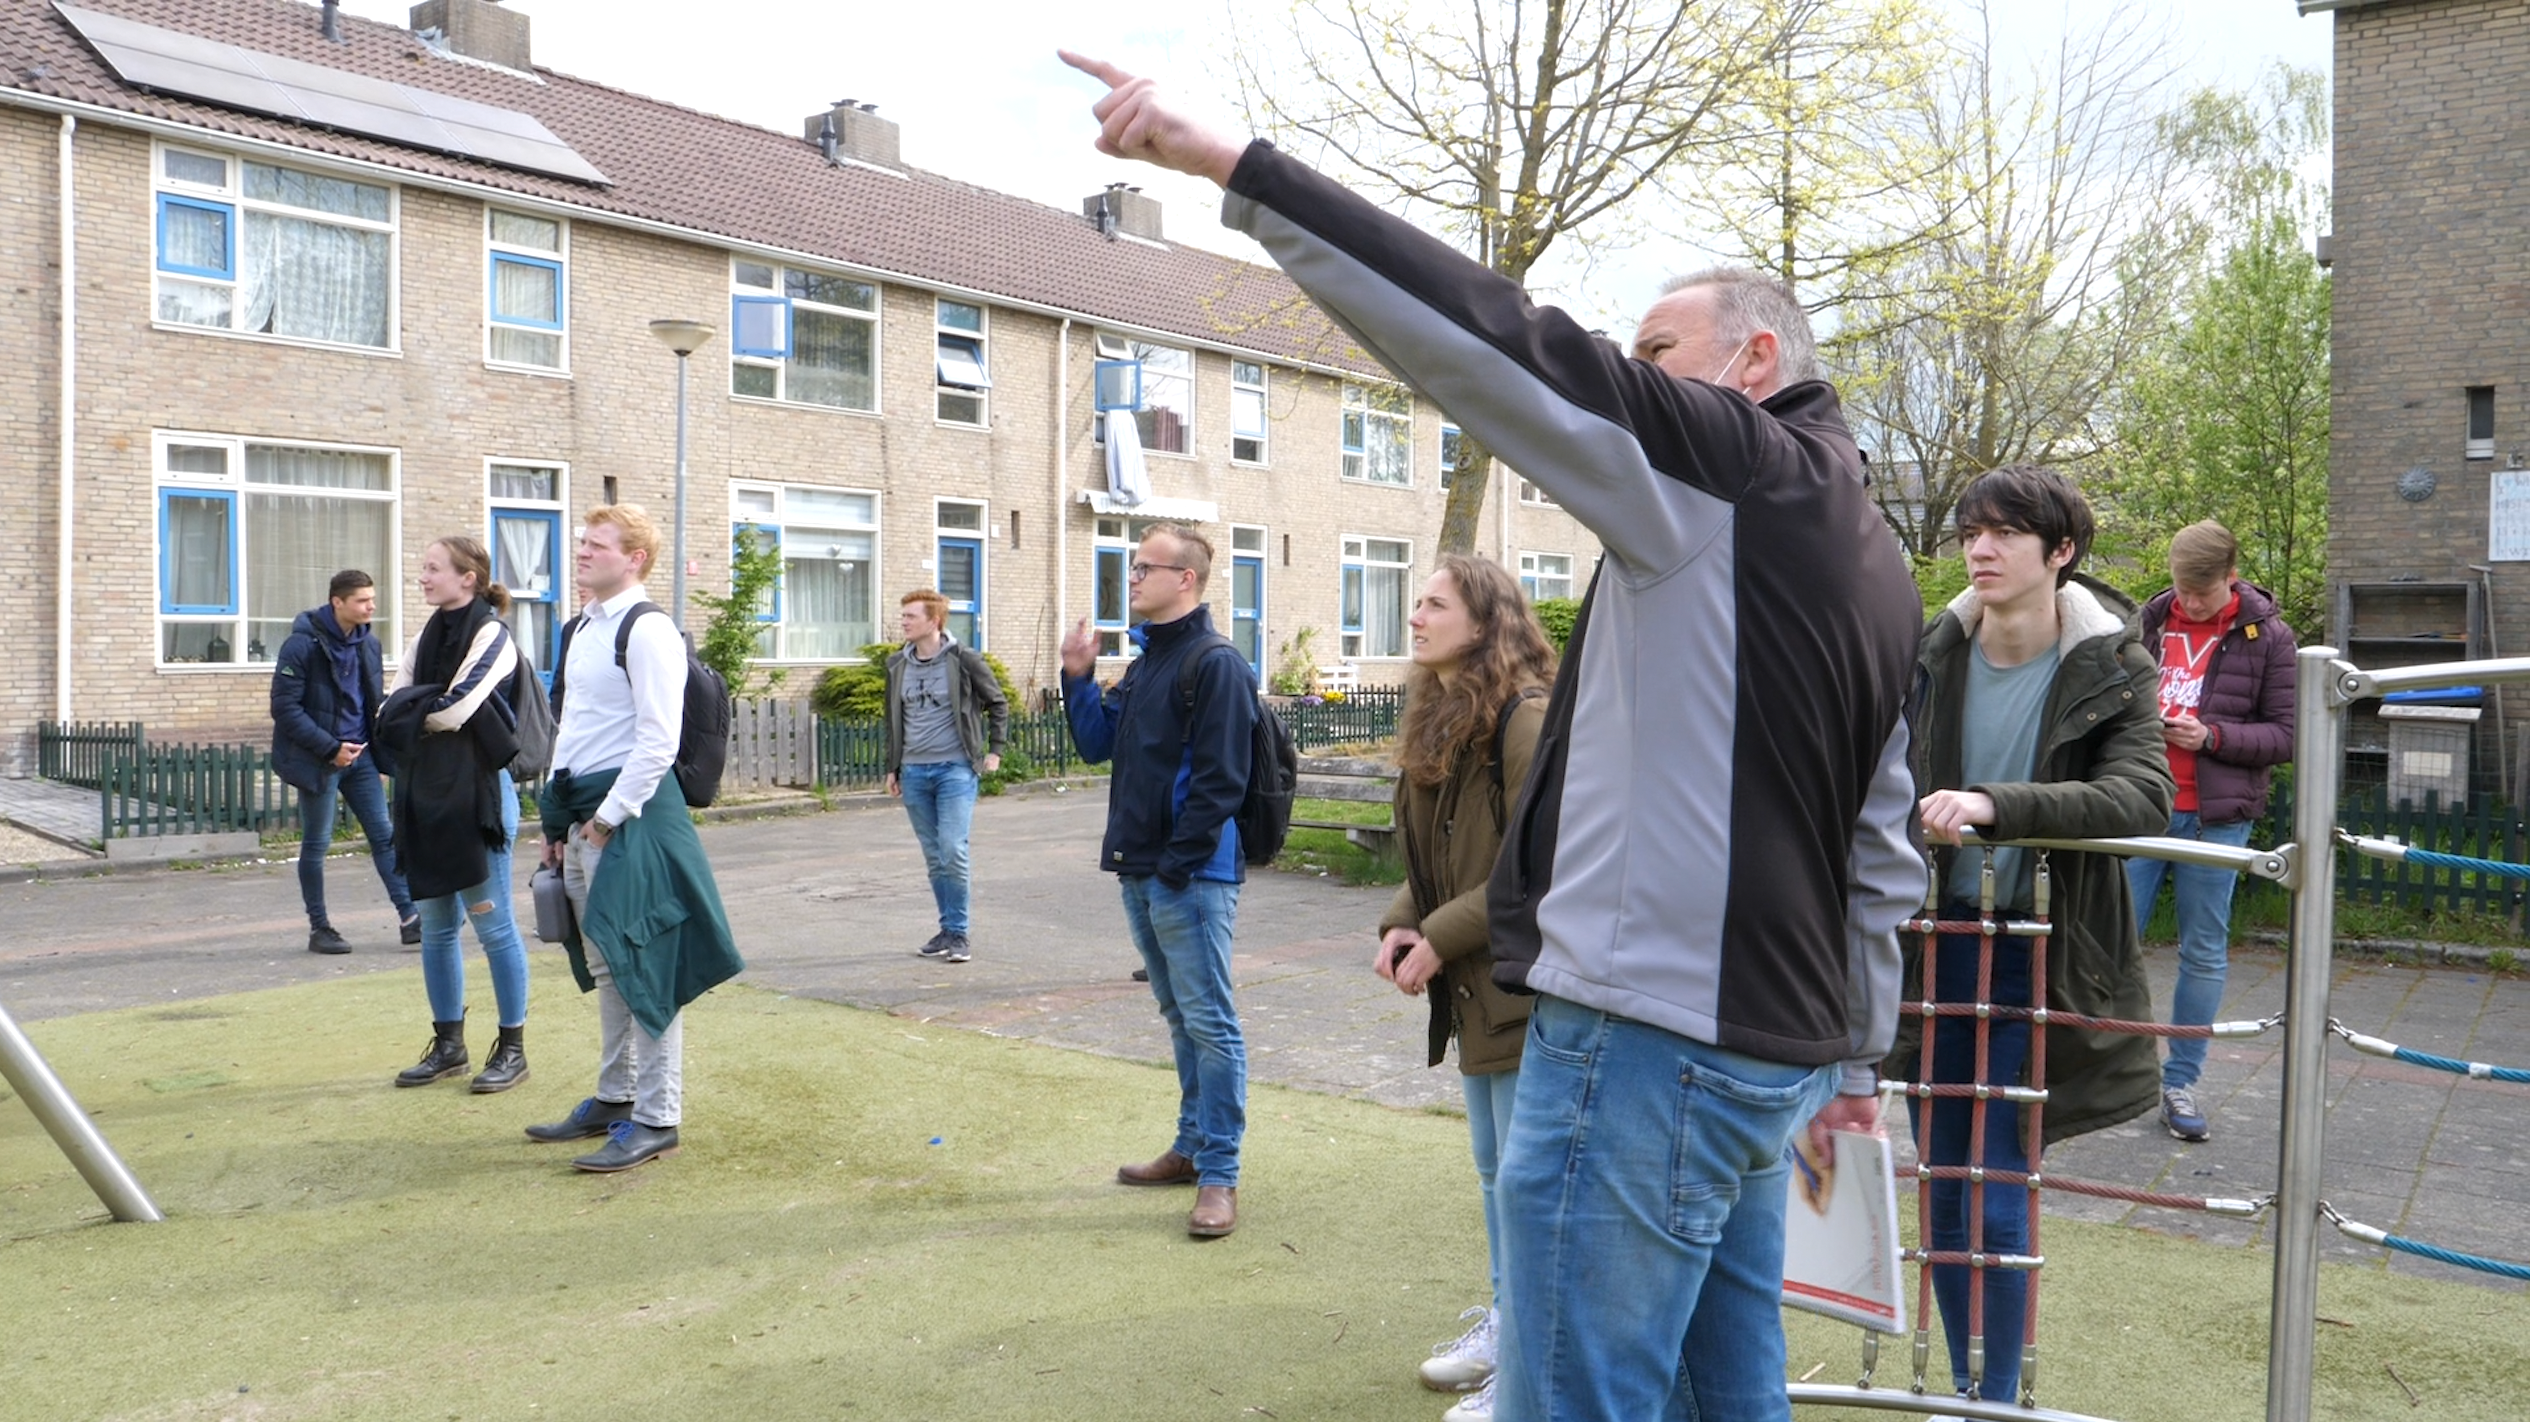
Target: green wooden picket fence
[(77, 752), (189, 789)]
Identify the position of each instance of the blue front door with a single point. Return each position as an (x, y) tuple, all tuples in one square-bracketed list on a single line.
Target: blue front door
[(527, 560)]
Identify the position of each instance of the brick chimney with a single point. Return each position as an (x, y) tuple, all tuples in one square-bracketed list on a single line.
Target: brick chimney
[(1123, 209), (858, 133), (477, 29)]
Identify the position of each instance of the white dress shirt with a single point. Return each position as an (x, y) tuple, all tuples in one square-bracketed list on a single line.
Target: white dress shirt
[(614, 721)]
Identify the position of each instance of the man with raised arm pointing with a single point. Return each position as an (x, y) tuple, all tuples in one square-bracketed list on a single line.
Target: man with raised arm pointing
[(1703, 879)]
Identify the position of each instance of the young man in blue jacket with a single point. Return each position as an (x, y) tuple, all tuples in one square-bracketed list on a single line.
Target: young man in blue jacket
[(326, 686), (1173, 844)]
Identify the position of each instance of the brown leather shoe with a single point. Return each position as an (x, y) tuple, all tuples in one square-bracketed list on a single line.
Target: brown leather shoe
[(1216, 1211), (1170, 1169)]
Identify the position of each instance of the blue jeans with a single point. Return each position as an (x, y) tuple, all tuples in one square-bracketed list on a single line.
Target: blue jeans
[(495, 927), (940, 800), (2006, 1206), (1645, 1280), (358, 783), (1489, 1098), (2204, 897), (1184, 937)]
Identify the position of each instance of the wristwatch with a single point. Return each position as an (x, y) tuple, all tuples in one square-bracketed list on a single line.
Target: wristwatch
[(603, 825)]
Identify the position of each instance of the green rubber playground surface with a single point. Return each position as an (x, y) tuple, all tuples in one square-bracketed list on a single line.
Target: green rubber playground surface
[(874, 1218)]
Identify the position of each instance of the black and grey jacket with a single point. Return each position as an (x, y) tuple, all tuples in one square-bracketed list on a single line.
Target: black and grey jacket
[(975, 701), (1717, 835)]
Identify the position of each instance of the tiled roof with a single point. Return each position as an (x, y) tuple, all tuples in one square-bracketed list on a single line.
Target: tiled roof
[(709, 175)]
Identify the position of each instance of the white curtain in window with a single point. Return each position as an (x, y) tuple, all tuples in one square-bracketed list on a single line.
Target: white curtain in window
[(522, 555), (1128, 475), (826, 582), (524, 291), (1389, 453), (313, 280), (295, 543), (193, 237), (1384, 612), (191, 303)]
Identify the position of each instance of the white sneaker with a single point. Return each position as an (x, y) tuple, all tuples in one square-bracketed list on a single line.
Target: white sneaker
[(1464, 1362), (1476, 1406)]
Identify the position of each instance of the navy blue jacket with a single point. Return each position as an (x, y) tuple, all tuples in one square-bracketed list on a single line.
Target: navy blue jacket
[(304, 697), (1173, 800)]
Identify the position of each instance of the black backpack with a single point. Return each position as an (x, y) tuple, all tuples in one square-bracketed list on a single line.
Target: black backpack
[(702, 749), (1273, 763)]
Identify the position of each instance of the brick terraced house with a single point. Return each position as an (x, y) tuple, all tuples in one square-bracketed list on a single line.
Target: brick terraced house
[(281, 303)]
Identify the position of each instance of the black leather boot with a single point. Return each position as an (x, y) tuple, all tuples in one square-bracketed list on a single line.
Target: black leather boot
[(507, 1066), (444, 1057)]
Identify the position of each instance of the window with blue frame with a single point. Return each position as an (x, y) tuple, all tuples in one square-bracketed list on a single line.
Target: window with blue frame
[(526, 303), (1378, 434), (825, 607), (250, 533), (1449, 455), (243, 245), (804, 337), (1546, 575)]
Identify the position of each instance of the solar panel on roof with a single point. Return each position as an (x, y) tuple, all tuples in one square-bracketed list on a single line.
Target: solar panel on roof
[(173, 62)]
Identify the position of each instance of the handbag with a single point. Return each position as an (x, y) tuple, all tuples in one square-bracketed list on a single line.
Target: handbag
[(553, 906)]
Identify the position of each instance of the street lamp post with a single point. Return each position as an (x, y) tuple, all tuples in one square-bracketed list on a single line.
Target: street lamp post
[(684, 338)]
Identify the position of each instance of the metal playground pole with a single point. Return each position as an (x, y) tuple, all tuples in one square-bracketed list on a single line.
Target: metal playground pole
[(70, 1128), (2318, 762)]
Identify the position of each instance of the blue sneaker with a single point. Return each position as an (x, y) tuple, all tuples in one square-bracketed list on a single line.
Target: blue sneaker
[(2179, 1113)]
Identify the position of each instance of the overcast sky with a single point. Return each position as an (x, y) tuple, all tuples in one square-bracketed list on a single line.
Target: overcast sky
[(981, 98)]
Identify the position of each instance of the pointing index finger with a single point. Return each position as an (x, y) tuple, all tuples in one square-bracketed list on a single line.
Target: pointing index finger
[(1098, 69)]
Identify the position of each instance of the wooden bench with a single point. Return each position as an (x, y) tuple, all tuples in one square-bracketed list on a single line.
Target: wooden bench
[(1368, 782)]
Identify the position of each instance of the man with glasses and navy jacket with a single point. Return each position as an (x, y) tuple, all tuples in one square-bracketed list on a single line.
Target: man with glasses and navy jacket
[(1173, 844)]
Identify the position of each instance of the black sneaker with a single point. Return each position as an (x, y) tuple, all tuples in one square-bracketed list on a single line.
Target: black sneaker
[(591, 1117), (1141, 975), (323, 939), (956, 951), (938, 945), (409, 932)]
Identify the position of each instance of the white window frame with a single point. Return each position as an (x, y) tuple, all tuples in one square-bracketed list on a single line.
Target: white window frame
[(946, 390), (753, 356), (1250, 378), (772, 647), (1536, 497), (1112, 345), (1353, 638), (1534, 574), (1387, 416), (557, 258), (231, 622), (229, 198)]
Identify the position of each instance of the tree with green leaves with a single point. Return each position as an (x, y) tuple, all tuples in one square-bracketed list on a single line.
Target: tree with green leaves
[(735, 633), (2227, 417)]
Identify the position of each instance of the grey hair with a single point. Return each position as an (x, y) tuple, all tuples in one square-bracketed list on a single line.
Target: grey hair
[(1746, 301)]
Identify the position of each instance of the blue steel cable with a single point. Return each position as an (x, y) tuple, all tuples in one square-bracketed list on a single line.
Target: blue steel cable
[(2356, 1229), (2480, 1070), (2378, 1047), (2435, 859)]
